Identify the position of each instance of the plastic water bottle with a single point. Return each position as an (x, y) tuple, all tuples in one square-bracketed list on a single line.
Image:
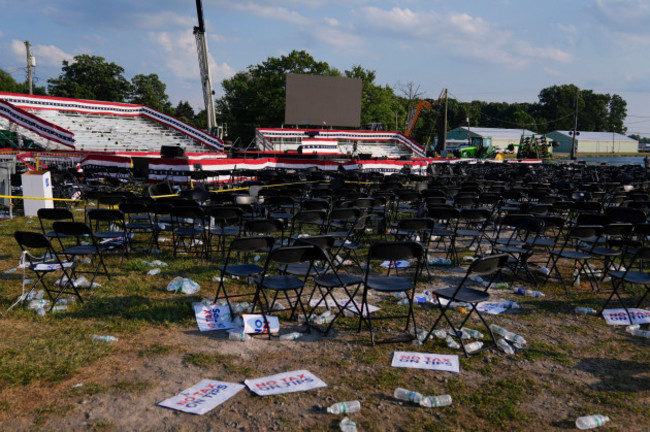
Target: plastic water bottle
[(544, 270), (505, 346), (66, 301), (471, 333), (399, 295), (240, 307), (60, 308), (98, 338), (440, 334), (40, 311), (36, 304), (591, 421), (514, 338), (576, 282), (153, 272), (501, 285), (580, 310), (529, 293), (324, 318), (239, 337), (345, 407), (291, 336), (474, 346), (347, 425), (452, 343), (509, 303), (436, 401), (407, 395)]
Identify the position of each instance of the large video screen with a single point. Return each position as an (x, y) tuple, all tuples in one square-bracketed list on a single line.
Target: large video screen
[(314, 100)]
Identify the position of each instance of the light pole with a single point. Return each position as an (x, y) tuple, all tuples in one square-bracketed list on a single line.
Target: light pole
[(469, 136)]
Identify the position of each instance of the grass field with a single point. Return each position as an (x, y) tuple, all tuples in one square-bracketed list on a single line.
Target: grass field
[(54, 377)]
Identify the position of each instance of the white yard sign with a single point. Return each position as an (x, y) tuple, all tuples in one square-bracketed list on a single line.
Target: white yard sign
[(417, 360), (254, 323), (619, 316), (212, 317), (202, 397), (287, 382)]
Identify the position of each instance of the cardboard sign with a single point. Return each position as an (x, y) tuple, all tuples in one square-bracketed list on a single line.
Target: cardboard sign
[(395, 264), (202, 397), (213, 317), (416, 360), (341, 302), (620, 317), (287, 382), (493, 308), (254, 323)]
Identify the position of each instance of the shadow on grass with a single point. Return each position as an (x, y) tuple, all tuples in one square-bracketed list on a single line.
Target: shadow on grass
[(137, 308), (617, 375)]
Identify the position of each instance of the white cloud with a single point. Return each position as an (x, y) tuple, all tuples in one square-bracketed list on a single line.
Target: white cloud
[(626, 16), (46, 55), (271, 12), (162, 20), (526, 50)]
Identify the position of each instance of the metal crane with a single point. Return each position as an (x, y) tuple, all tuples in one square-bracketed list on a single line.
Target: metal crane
[(204, 67)]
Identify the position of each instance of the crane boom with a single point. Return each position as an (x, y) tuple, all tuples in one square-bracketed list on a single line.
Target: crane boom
[(422, 104), (204, 67)]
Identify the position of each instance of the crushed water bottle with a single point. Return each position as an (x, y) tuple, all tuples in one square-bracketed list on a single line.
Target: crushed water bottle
[(66, 301), (323, 318), (452, 343), (513, 338), (505, 346), (240, 307), (474, 346), (239, 337), (640, 333), (526, 292), (509, 303), (471, 333), (407, 395), (347, 425), (60, 308), (436, 401), (399, 295), (591, 421), (291, 336), (107, 338), (580, 310), (344, 407), (153, 272), (544, 270)]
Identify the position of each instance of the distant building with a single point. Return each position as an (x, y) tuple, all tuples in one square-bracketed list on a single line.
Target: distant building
[(499, 138), (594, 142)]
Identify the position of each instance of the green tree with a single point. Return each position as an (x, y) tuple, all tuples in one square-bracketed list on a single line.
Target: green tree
[(90, 77), (184, 111), (557, 105), (378, 104), (256, 97), (617, 112), (7, 82), (150, 91)]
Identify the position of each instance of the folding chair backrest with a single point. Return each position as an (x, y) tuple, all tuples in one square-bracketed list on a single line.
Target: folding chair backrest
[(584, 232), (292, 255), (643, 253), (73, 229), (395, 251), (252, 244), (52, 215), (32, 240), (488, 265), (625, 214), (264, 226), (325, 242), (416, 224), (103, 216)]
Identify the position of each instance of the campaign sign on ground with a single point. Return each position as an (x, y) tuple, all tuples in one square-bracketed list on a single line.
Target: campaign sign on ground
[(213, 317), (202, 397), (254, 323), (395, 264), (342, 302), (493, 308), (417, 360), (287, 382), (619, 316)]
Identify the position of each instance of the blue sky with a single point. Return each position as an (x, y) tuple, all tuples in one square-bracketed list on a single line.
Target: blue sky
[(492, 50)]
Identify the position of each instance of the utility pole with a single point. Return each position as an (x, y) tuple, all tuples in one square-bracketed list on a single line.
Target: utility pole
[(444, 133), (575, 128), (31, 62)]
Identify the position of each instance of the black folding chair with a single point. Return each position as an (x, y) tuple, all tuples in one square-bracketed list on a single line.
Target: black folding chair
[(189, 231), (84, 245), (391, 252), (42, 259), (47, 216), (487, 266), (109, 228), (283, 283), (241, 246), (631, 277)]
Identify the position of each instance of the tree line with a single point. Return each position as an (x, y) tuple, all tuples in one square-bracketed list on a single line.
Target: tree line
[(255, 97)]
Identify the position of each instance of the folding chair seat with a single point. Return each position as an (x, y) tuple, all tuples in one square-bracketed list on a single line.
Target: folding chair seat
[(486, 266), (109, 228), (391, 252), (283, 283), (342, 218), (189, 231), (630, 277), (280, 207), (326, 242), (77, 240), (579, 259), (238, 247), (42, 260), (46, 216)]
